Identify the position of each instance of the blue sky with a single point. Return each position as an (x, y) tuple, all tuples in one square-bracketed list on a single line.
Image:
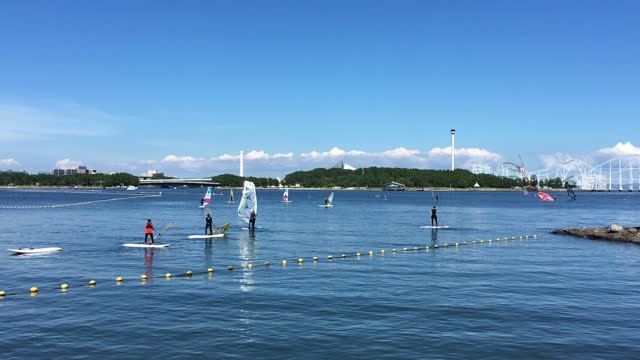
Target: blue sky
[(182, 86)]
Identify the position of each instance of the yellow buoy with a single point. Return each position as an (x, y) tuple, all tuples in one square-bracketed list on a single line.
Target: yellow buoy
[(92, 283), (329, 257), (473, 242), (435, 246), (143, 277), (370, 253), (520, 237), (210, 270), (393, 250), (2, 293), (456, 244), (167, 275), (415, 248), (527, 236), (249, 266), (534, 236), (284, 262), (405, 249), (426, 247), (33, 289), (481, 241), (358, 254), (315, 258), (300, 261), (344, 256), (464, 243), (489, 240), (513, 238), (266, 263), (229, 267), (382, 251), (119, 279), (64, 286), (189, 273)]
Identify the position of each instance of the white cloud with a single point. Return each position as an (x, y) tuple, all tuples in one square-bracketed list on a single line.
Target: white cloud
[(227, 157), (400, 153), (67, 164), (333, 153), (53, 120), (189, 162), (621, 149), (9, 162)]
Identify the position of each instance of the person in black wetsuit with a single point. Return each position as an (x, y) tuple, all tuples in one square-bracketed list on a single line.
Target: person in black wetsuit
[(252, 220), (434, 215), (208, 225), (326, 201)]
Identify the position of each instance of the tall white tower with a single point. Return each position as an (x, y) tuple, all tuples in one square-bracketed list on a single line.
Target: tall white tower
[(453, 135), (241, 163)]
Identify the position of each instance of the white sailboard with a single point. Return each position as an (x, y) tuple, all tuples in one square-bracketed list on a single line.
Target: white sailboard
[(285, 196), (329, 201), (231, 201), (249, 202), (434, 226), (207, 199), (146, 245), (194, 237), (31, 250)]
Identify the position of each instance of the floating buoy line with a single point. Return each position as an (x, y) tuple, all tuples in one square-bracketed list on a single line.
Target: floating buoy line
[(80, 203), (65, 287)]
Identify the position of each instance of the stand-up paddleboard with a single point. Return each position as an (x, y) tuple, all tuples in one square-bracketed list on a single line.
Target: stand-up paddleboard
[(193, 237), (434, 226), (146, 245), (35, 250), (258, 228)]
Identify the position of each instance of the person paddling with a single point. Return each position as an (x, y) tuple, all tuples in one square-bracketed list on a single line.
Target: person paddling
[(208, 225), (434, 215), (148, 231)]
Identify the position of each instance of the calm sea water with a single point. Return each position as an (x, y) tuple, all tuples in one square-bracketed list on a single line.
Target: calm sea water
[(549, 297)]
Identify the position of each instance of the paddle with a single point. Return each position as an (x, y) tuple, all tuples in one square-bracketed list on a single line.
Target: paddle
[(163, 230)]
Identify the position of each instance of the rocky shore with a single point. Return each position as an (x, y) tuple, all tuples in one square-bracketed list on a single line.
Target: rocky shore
[(614, 232)]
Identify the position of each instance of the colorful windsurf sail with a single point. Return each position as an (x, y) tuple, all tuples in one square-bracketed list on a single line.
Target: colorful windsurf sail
[(545, 197), (285, 195)]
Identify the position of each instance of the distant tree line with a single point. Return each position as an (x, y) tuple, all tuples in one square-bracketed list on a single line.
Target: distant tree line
[(94, 180), (416, 178), (229, 180)]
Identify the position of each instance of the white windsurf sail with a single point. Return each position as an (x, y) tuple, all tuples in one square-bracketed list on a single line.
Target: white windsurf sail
[(231, 196), (285, 195), (330, 198), (249, 201)]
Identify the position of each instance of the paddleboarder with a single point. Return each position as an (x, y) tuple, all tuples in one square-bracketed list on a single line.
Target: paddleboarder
[(434, 215), (208, 224), (148, 230)]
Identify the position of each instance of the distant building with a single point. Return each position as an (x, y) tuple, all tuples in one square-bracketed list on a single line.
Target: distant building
[(481, 169), (73, 171), (152, 174), (394, 186), (341, 165)]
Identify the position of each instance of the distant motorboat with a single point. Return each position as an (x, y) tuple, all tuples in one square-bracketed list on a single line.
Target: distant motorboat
[(131, 187)]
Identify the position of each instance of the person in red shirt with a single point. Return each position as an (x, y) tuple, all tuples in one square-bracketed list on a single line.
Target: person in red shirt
[(148, 231)]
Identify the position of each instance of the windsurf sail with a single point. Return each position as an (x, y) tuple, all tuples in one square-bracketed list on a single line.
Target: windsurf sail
[(231, 196), (207, 197), (545, 197), (249, 201), (330, 199), (285, 195)]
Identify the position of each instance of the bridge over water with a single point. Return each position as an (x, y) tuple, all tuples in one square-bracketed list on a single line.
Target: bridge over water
[(179, 182)]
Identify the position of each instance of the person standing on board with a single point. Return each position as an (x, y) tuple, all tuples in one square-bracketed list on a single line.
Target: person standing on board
[(202, 202), (148, 230), (252, 220), (326, 201), (208, 225), (434, 215)]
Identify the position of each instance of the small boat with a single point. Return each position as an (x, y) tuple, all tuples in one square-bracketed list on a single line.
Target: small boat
[(131, 188)]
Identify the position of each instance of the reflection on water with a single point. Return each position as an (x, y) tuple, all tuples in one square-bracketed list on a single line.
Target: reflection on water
[(434, 235), (247, 251), (148, 262)]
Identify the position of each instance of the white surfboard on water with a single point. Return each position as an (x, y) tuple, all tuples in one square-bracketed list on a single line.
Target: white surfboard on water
[(258, 228), (146, 245), (35, 250), (192, 237), (434, 226)]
